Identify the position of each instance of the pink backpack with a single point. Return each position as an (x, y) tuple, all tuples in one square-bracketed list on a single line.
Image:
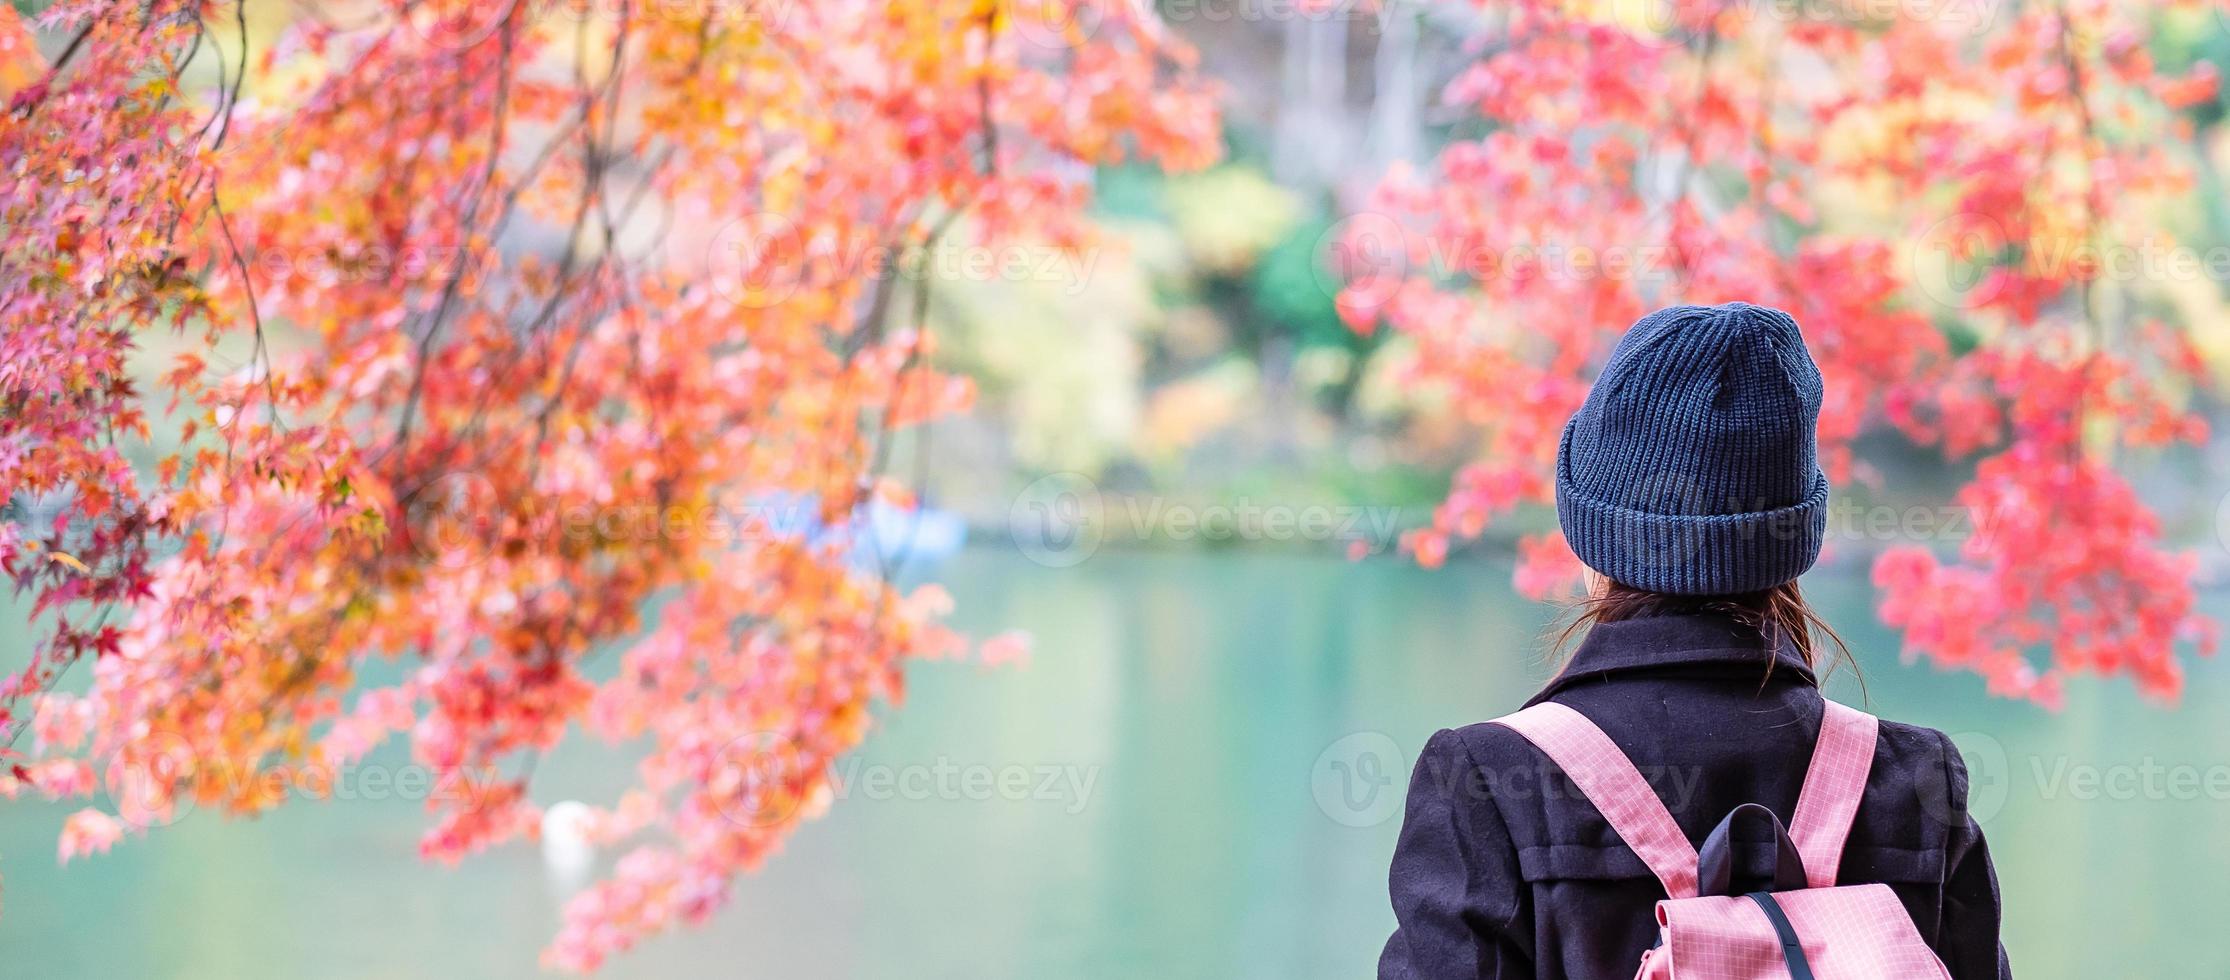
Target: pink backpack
[(1805, 927)]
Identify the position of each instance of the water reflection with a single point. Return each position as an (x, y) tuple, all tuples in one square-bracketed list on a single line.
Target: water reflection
[(1196, 694)]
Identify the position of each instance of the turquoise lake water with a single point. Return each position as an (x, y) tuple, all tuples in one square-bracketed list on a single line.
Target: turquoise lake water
[(1207, 742)]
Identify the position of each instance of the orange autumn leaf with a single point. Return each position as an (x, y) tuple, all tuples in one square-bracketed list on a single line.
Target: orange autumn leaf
[(397, 442), (20, 63)]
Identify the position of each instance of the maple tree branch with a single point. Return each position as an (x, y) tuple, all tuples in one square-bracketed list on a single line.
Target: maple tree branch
[(886, 430), (2087, 132), (239, 75), (439, 315), (262, 348)]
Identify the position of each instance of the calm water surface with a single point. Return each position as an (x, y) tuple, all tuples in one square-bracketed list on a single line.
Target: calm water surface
[(1196, 828)]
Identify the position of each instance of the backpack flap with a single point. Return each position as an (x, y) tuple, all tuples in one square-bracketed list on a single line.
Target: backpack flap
[(1853, 932)]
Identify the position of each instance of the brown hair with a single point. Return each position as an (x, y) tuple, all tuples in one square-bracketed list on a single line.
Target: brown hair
[(1780, 609)]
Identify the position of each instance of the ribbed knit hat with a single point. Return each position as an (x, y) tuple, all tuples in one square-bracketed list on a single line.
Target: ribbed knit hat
[(1692, 469)]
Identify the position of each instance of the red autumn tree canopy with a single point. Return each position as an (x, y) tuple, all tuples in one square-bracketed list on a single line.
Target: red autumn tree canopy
[(1964, 204)]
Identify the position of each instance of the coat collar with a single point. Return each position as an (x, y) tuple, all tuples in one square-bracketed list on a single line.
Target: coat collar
[(1701, 640)]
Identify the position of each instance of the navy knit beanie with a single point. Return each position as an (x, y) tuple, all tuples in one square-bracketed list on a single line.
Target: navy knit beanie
[(1691, 469)]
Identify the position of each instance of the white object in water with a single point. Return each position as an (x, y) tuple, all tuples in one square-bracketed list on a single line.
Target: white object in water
[(567, 851)]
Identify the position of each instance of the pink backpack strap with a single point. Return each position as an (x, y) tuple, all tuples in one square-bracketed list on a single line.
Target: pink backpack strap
[(1609, 780), (1832, 788)]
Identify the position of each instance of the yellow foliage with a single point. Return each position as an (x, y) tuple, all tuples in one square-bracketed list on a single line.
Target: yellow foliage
[(1182, 413), (1228, 216)]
